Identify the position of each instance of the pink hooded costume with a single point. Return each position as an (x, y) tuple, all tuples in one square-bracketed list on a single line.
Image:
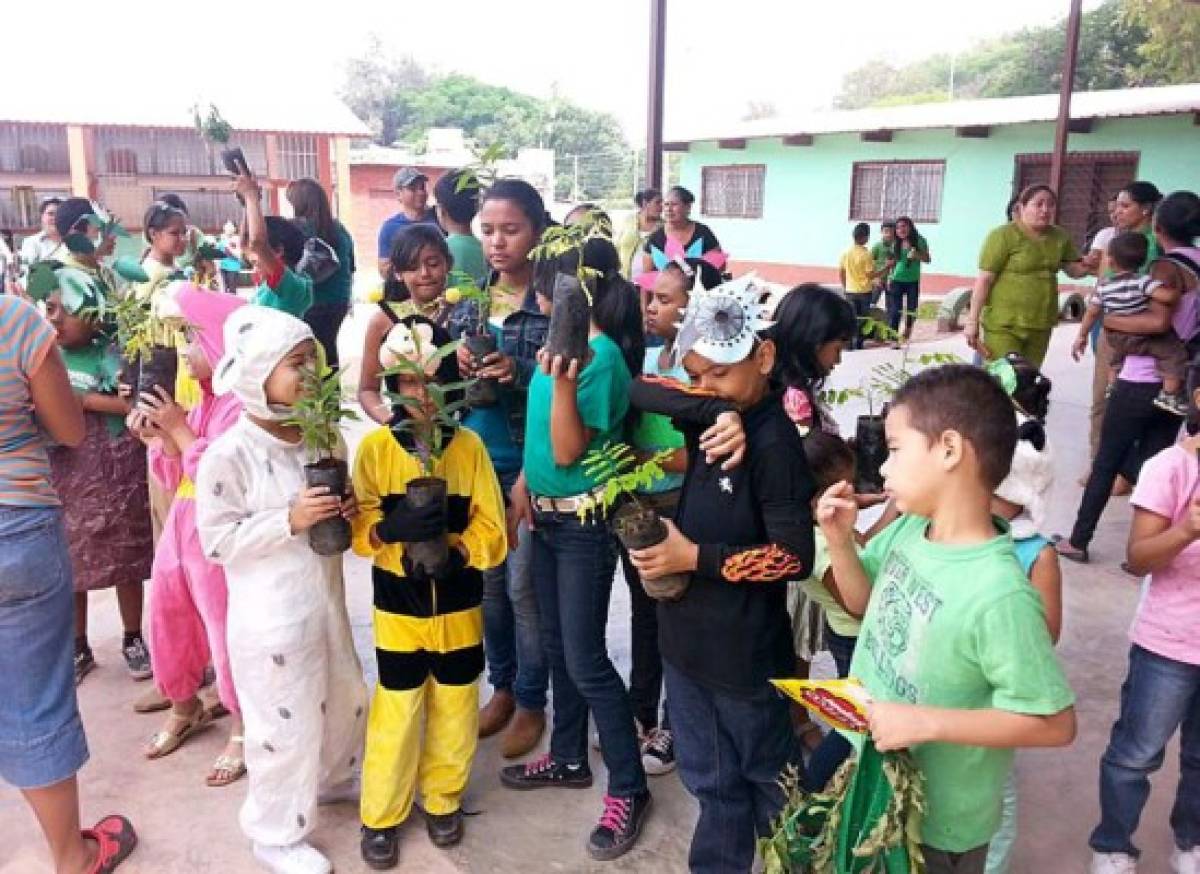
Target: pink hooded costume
[(188, 604)]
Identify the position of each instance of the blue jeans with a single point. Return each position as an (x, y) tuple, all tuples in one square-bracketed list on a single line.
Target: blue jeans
[(1158, 696), (573, 567), (515, 660), (731, 752), (41, 735)]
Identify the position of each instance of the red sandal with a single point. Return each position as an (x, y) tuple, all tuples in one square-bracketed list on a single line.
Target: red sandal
[(115, 840)]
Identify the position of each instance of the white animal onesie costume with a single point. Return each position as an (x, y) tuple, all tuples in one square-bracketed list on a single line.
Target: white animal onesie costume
[(297, 676)]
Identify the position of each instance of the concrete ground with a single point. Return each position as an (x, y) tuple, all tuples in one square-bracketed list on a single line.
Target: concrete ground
[(188, 828)]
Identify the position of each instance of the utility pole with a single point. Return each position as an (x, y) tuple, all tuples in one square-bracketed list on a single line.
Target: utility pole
[(654, 102), (1062, 130), (635, 173), (953, 59), (575, 186)]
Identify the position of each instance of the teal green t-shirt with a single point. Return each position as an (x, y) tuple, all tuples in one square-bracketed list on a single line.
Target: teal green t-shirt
[(654, 432), (293, 294), (336, 289), (468, 256), (603, 400), (880, 253), (909, 269), (959, 627)]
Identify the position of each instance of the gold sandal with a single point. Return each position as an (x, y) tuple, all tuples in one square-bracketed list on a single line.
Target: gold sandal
[(163, 743), (233, 766)]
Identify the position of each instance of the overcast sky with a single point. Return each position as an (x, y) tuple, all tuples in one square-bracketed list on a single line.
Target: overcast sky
[(720, 55)]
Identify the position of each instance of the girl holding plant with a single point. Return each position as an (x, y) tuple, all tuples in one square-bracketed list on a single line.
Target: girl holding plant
[(188, 611), (512, 219), (102, 483), (423, 727), (298, 678), (582, 405), (421, 263)]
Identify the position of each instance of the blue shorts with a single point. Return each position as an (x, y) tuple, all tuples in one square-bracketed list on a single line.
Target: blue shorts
[(41, 735)]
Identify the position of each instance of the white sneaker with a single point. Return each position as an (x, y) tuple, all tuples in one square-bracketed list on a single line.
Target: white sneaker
[(297, 858), (1186, 862), (1113, 863)]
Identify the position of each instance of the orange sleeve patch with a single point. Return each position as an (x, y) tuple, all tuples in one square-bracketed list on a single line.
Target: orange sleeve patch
[(765, 564), (676, 385)]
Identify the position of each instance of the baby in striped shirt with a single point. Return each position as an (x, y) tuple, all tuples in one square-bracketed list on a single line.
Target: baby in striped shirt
[(1127, 293)]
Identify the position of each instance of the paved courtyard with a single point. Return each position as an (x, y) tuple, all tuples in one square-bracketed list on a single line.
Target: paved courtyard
[(187, 828)]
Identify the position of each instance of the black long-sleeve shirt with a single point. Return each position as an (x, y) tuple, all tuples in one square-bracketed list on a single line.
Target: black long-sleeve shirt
[(754, 529)]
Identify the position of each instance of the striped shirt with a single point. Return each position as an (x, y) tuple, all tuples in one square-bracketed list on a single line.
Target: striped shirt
[(25, 340), (1125, 294)]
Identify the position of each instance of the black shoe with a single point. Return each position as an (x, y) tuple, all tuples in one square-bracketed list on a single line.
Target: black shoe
[(137, 658), (546, 772), (84, 662), (380, 848), (445, 829), (619, 827)]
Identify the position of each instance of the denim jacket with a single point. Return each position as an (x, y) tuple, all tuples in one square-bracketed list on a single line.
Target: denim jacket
[(523, 333)]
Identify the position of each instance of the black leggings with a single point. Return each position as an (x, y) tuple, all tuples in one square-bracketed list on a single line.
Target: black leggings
[(1132, 428)]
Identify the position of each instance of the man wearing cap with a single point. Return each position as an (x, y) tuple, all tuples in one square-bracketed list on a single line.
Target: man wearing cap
[(413, 193)]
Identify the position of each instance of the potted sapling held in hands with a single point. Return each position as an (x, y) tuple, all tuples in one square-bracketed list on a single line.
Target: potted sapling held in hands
[(636, 525), (480, 341), (422, 380), (317, 413), (571, 312), (146, 329)]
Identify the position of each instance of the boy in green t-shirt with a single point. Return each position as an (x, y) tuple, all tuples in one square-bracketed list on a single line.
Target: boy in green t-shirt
[(455, 210), (273, 246), (954, 649), (882, 255)]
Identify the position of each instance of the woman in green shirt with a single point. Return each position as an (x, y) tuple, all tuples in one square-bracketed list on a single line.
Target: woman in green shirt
[(1015, 299), (909, 252)]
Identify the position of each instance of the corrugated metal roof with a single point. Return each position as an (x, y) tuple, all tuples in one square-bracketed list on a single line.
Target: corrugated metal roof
[(1126, 102), (287, 111)]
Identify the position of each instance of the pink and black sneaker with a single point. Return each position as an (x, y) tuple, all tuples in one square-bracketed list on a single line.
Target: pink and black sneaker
[(546, 772), (619, 827)]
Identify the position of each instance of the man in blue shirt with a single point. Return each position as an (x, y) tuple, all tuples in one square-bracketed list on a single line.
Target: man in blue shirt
[(413, 193)]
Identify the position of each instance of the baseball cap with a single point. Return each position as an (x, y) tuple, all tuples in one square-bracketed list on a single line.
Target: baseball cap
[(407, 176)]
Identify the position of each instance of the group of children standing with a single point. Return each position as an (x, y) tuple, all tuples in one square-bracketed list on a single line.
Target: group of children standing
[(933, 612)]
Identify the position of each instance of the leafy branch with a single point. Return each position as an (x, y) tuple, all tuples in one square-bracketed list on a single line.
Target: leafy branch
[(616, 467), (318, 411), (562, 240), (481, 172), (211, 126), (435, 415)]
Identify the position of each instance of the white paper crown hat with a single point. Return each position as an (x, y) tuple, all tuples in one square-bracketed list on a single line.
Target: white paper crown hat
[(722, 323), (256, 339)]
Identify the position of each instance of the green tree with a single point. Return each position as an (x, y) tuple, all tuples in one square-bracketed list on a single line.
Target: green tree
[(375, 83), (1171, 47)]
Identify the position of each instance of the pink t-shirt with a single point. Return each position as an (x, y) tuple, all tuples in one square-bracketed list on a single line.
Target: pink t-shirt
[(1169, 614)]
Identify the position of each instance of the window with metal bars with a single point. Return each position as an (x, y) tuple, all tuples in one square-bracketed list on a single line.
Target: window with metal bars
[(34, 148), (885, 190), (151, 152), (207, 209), (297, 156), (733, 191), (1089, 180), (19, 207)]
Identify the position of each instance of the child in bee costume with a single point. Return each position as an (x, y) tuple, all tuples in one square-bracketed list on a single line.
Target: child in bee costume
[(423, 724)]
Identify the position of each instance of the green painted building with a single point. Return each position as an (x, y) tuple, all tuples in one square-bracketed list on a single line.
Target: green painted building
[(783, 194)]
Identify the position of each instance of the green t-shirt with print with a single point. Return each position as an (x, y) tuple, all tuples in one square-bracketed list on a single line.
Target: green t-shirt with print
[(909, 269), (293, 294), (958, 627), (602, 399), (1025, 292)]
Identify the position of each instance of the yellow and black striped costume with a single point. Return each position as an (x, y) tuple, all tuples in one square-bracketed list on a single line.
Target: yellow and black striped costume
[(428, 634)]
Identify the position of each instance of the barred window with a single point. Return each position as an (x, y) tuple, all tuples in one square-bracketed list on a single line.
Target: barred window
[(34, 148), (883, 190), (733, 191), (297, 156)]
